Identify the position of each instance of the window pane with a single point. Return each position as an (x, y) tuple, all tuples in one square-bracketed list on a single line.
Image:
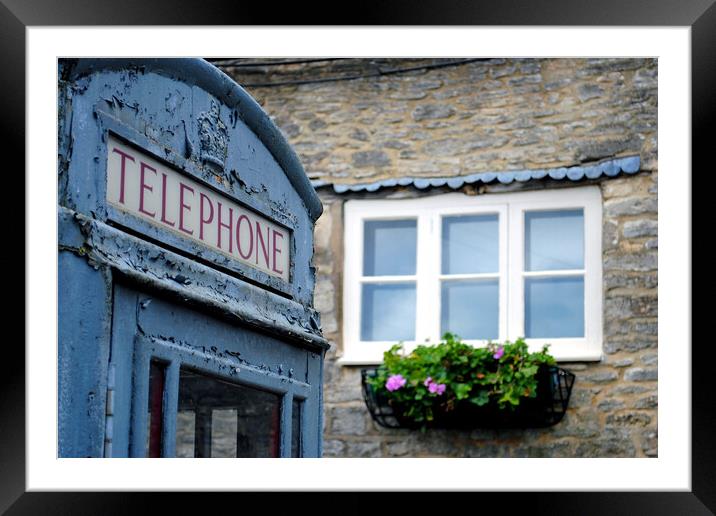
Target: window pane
[(155, 422), (554, 240), (554, 307), (388, 312), (185, 434), (470, 309), (224, 427), (224, 419), (296, 428), (389, 247), (469, 244)]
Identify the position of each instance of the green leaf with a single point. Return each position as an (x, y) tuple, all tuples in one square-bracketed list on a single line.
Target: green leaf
[(482, 398), (462, 390)]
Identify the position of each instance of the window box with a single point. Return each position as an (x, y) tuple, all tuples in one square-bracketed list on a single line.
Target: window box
[(554, 387)]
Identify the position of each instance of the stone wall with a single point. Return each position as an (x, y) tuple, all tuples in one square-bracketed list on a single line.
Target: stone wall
[(489, 115)]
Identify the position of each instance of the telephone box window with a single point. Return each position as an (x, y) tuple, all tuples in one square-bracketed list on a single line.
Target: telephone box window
[(186, 419), (157, 372), (296, 428), (229, 420)]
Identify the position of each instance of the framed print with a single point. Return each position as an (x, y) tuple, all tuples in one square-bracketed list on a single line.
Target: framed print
[(401, 216)]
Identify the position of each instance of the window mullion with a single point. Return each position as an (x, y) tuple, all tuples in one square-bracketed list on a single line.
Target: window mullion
[(425, 263), (434, 278), (504, 272), (515, 283)]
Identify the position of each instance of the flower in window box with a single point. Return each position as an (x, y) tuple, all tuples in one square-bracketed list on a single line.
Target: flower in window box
[(395, 382)]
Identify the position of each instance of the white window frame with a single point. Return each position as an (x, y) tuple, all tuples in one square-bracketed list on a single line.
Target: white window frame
[(510, 208)]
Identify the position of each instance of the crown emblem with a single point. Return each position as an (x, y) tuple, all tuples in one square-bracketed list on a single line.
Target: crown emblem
[(213, 136)]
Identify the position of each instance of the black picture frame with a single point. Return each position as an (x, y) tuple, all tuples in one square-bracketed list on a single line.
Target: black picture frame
[(700, 15)]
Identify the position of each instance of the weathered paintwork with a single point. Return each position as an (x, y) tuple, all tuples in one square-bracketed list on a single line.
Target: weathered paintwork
[(130, 290)]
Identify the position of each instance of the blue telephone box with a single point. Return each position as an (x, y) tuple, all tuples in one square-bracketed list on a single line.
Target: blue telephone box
[(185, 223)]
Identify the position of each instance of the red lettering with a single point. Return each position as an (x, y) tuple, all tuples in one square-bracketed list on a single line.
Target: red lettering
[(238, 237), (124, 157), (143, 186), (202, 220), (183, 206), (164, 201), (260, 238), (229, 226), (276, 251)]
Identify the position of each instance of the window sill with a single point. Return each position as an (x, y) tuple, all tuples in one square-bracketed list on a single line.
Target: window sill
[(354, 359), (348, 360)]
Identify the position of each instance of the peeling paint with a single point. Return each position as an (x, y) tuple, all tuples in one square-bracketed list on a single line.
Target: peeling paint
[(154, 267)]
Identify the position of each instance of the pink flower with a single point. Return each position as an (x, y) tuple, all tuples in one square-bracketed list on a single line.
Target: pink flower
[(436, 388), (498, 354), (428, 381), (395, 382)]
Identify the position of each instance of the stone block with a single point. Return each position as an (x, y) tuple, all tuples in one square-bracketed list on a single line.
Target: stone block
[(333, 448), (606, 447), (373, 158), (639, 374), (623, 362), (649, 358), (628, 419), (359, 449), (632, 262), (581, 397), (610, 405), (599, 377), (634, 206), (615, 346), (400, 448), (639, 228), (432, 112), (553, 449), (582, 423), (349, 421), (649, 402), (501, 71), (618, 278), (622, 307), (625, 390), (649, 443), (587, 92), (599, 149), (486, 450)]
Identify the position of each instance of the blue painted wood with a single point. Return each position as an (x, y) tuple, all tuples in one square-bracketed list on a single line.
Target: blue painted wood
[(169, 409), (124, 323), (286, 427), (312, 415), (130, 292), (161, 319), (84, 301)]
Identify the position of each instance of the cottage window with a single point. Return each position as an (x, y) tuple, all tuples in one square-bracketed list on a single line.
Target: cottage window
[(487, 268)]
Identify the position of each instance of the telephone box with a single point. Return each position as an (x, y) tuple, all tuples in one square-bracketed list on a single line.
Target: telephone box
[(185, 228)]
